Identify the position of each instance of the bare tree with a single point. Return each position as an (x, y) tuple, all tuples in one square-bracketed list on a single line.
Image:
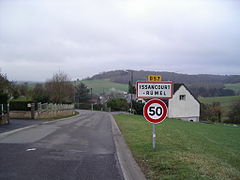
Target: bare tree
[(40, 94), (4, 83), (60, 88)]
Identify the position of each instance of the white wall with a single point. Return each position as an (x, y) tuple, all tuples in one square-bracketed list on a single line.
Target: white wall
[(188, 109)]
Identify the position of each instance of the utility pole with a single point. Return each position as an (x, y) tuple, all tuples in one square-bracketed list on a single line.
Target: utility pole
[(131, 88), (74, 91), (91, 99)]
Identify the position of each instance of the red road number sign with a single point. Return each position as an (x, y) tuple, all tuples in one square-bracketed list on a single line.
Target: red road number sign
[(155, 111)]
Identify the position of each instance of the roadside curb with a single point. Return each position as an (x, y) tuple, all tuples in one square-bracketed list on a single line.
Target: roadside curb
[(130, 168), (2, 135)]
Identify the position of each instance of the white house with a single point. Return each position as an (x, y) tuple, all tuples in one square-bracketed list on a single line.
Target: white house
[(183, 105)]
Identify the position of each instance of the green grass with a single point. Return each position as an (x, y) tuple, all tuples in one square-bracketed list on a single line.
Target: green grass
[(104, 85), (23, 98), (184, 150), (225, 101), (235, 87)]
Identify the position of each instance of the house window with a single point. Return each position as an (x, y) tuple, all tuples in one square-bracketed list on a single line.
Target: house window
[(182, 97)]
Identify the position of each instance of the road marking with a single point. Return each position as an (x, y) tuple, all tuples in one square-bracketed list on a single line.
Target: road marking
[(31, 149)]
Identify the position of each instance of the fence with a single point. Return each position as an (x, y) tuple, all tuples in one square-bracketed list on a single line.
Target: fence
[(45, 110), (54, 107)]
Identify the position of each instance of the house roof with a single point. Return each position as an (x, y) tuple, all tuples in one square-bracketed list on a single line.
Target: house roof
[(176, 87)]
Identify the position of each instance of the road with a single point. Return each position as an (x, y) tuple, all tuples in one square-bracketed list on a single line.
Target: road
[(19, 123), (80, 147)]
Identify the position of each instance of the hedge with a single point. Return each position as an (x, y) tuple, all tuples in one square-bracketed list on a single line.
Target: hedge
[(20, 106), (3, 98)]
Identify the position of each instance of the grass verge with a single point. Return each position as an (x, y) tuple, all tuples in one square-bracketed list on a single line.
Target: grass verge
[(185, 150), (59, 117)]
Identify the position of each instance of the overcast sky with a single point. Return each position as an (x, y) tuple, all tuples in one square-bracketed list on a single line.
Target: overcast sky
[(85, 37)]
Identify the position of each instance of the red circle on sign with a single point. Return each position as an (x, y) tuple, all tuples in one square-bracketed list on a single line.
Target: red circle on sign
[(161, 117)]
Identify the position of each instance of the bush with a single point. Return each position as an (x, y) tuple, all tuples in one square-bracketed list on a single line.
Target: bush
[(211, 112), (138, 107), (20, 106), (118, 104), (3, 98), (234, 114), (98, 107), (39, 94)]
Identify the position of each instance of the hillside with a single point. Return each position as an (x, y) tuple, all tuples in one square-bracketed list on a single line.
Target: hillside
[(100, 86), (235, 87), (123, 77)]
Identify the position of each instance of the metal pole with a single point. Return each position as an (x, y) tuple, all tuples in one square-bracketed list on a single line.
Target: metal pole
[(154, 135), (92, 106), (131, 90)]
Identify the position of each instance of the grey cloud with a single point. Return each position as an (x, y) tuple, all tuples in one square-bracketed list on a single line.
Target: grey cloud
[(86, 37)]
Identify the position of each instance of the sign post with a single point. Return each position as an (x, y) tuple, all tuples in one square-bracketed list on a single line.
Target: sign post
[(155, 110), (154, 135)]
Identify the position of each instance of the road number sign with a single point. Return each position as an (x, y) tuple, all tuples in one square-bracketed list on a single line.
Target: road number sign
[(155, 111), (154, 78)]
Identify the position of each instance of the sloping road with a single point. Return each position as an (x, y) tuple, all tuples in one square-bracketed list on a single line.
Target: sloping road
[(81, 147)]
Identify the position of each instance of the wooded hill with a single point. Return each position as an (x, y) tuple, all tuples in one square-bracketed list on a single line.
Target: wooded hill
[(123, 76), (204, 85)]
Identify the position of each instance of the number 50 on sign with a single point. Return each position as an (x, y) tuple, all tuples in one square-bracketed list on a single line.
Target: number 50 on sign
[(155, 111)]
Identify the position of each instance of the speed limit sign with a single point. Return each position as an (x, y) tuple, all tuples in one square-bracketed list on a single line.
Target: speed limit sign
[(155, 111)]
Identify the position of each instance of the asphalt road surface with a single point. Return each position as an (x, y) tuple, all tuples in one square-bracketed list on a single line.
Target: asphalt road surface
[(80, 147), (19, 123)]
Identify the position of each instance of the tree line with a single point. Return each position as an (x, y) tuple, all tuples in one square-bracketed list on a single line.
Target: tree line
[(214, 113), (210, 90), (58, 89)]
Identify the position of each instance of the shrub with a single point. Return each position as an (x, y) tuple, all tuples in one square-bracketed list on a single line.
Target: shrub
[(118, 104), (138, 107), (234, 114), (211, 112), (3, 98), (98, 107), (20, 106)]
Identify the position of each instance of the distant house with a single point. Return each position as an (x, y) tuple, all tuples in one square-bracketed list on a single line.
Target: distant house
[(183, 105)]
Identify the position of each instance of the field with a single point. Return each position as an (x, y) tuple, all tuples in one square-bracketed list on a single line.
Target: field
[(225, 101), (104, 85), (234, 87), (185, 150)]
